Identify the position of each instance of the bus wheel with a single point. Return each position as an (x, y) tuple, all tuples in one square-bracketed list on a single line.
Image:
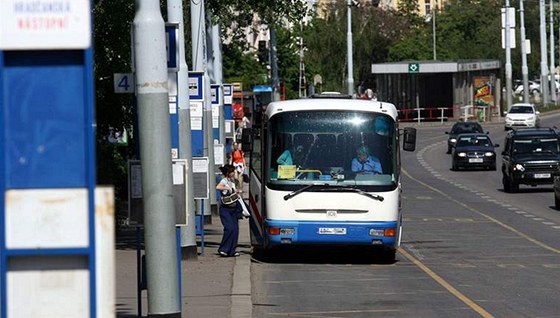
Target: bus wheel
[(261, 254), (388, 256)]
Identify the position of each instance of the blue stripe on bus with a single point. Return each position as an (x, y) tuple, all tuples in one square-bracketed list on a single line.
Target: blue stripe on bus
[(307, 232)]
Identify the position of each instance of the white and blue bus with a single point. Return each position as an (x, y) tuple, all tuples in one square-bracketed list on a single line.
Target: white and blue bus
[(304, 189)]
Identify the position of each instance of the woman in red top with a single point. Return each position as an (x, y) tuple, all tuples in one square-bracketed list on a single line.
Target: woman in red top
[(238, 161)]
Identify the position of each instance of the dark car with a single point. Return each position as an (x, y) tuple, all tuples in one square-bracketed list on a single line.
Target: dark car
[(474, 151), (531, 157), (461, 127)]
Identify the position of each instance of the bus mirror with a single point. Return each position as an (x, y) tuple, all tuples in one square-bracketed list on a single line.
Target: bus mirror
[(409, 139), (247, 139)]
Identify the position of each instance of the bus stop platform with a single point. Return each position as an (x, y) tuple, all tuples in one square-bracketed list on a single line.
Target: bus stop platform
[(212, 286)]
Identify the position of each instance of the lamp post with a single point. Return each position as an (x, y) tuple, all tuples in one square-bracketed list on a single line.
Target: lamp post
[(349, 44), (524, 68), (433, 7)]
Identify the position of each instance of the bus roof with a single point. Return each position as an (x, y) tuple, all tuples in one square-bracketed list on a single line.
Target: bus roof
[(331, 104)]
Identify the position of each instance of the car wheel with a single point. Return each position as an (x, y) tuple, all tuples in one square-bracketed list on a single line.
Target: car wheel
[(448, 150), (514, 186), (454, 166), (506, 184), (556, 202), (492, 167)]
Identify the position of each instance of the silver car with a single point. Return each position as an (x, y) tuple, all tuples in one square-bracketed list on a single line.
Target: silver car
[(522, 115)]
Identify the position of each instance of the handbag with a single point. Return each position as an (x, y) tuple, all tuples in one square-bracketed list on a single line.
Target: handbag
[(229, 201)]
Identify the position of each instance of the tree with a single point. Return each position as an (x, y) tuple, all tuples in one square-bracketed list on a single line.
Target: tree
[(112, 24), (374, 30)]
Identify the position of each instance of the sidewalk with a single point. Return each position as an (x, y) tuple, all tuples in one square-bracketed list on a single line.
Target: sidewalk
[(212, 286)]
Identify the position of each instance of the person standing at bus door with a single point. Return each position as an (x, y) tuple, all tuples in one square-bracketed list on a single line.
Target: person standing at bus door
[(246, 122), (366, 163), (229, 214), (287, 157), (238, 161), (238, 130)]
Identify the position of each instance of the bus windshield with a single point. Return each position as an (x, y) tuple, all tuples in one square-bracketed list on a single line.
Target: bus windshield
[(335, 147)]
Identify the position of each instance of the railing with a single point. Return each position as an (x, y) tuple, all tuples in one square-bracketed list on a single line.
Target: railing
[(464, 113), (426, 114)]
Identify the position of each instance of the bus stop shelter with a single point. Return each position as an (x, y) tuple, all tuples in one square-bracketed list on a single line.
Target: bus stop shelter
[(438, 90)]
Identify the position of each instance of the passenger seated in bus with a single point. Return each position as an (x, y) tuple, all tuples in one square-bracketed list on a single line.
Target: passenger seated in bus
[(290, 156), (365, 163)]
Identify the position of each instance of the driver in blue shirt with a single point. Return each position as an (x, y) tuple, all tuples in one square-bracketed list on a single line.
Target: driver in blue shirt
[(366, 163)]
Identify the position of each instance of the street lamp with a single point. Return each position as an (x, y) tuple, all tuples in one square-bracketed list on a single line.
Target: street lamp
[(349, 44), (433, 9)]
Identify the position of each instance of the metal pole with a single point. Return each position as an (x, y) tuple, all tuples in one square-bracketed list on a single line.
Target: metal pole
[(218, 79), (349, 44), (188, 235), (544, 67), (155, 150), (524, 68), (274, 66), (198, 30), (552, 66), (434, 31), (508, 57)]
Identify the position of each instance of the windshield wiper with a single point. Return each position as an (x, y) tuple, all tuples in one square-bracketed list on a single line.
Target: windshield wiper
[(333, 188), (359, 191), (293, 194)]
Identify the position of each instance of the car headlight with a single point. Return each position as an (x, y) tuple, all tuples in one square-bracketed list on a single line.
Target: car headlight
[(508, 118), (462, 154), (452, 140), (488, 154), (519, 167)]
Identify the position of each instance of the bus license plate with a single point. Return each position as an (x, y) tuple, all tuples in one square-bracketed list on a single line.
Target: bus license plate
[(332, 230), (541, 175)]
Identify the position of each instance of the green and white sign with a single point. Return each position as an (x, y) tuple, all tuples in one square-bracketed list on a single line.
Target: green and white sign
[(413, 68)]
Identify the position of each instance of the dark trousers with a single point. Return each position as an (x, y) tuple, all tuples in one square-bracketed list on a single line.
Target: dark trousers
[(230, 221)]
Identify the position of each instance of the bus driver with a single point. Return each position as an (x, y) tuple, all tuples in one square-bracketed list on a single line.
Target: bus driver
[(365, 163)]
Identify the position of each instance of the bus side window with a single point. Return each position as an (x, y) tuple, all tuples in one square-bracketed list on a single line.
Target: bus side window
[(305, 140), (347, 149), (324, 152), (281, 143)]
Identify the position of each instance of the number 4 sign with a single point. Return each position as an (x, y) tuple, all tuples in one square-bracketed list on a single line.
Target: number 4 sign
[(124, 82)]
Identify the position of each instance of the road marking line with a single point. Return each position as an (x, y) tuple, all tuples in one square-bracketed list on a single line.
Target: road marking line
[(466, 206), (474, 306)]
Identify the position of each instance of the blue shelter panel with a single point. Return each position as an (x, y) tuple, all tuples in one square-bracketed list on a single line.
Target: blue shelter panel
[(45, 146), (174, 130), (197, 143)]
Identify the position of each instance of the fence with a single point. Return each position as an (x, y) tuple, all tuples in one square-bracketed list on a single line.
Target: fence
[(464, 113)]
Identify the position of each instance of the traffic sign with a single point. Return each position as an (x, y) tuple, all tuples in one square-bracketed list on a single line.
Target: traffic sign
[(413, 67), (123, 83)]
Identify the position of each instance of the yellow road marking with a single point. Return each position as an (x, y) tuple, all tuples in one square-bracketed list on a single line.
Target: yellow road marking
[(523, 235), (446, 285), (481, 311)]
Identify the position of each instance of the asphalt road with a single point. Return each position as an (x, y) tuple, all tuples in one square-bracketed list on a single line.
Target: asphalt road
[(468, 250)]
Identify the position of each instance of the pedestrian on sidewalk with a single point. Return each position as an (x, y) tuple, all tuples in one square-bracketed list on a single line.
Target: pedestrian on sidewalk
[(238, 161), (230, 211)]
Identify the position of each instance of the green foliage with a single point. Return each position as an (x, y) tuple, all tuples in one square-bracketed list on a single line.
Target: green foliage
[(373, 32), (239, 66), (112, 21), (465, 29)]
